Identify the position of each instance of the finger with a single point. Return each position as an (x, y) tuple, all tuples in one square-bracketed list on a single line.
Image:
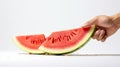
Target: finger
[(97, 28), (105, 37), (102, 34), (90, 22), (96, 35)]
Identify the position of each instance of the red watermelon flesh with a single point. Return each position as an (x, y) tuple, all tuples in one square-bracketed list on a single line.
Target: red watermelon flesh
[(62, 42), (30, 43)]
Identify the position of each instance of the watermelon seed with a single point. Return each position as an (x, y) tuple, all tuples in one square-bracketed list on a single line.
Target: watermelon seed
[(36, 41), (55, 40), (33, 42), (76, 30), (73, 33), (27, 37), (67, 37), (59, 38), (52, 40), (49, 38), (39, 41)]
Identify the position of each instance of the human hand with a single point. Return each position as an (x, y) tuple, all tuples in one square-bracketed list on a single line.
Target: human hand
[(105, 27)]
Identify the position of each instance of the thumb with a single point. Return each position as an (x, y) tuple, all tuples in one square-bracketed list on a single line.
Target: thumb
[(90, 22)]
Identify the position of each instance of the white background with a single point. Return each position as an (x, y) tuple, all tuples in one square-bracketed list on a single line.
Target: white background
[(20, 17)]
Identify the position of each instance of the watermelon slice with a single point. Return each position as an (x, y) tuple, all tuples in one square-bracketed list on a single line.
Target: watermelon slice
[(63, 42), (30, 43)]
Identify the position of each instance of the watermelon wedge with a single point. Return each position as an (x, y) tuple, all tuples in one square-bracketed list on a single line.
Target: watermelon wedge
[(67, 41), (30, 43)]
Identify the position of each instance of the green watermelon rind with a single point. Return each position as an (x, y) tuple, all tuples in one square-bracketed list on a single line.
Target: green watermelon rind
[(28, 50), (70, 50)]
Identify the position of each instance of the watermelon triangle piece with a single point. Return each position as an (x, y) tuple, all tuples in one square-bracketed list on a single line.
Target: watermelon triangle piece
[(67, 41), (30, 43)]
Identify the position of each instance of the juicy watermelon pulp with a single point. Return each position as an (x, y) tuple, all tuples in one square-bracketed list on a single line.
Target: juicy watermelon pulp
[(30, 43), (62, 42)]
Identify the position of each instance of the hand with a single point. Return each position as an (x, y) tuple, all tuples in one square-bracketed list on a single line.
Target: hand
[(105, 27)]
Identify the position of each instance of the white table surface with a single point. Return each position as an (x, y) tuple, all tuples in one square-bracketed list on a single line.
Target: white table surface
[(26, 60)]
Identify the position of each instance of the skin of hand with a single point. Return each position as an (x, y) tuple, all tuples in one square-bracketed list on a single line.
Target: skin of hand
[(105, 27)]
